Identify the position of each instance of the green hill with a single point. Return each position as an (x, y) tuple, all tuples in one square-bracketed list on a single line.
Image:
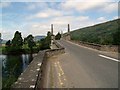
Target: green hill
[(103, 33)]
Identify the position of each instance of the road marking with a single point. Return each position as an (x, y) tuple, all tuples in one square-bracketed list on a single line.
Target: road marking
[(32, 86), (113, 59), (38, 69), (39, 64)]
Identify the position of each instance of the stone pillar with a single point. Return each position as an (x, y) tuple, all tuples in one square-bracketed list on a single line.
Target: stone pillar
[(52, 36), (61, 34), (52, 29), (68, 28), (68, 33)]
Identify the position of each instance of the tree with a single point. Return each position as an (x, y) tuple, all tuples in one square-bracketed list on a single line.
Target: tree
[(8, 43), (8, 46), (30, 42), (48, 38), (17, 41), (25, 40), (45, 42), (58, 36)]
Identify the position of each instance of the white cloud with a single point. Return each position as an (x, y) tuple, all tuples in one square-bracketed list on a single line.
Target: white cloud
[(102, 5), (60, 17), (46, 14), (6, 34), (81, 6), (101, 19), (56, 0), (36, 5), (4, 4), (42, 15), (110, 7), (116, 17), (60, 23)]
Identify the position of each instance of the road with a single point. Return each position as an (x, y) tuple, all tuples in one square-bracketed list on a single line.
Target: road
[(81, 67)]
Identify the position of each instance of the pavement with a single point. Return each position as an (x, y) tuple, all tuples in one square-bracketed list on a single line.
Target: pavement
[(82, 67), (53, 46)]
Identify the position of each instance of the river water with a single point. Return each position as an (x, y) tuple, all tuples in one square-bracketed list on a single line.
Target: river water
[(13, 66)]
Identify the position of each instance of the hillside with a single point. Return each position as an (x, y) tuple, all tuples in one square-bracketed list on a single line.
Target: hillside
[(104, 33), (37, 38)]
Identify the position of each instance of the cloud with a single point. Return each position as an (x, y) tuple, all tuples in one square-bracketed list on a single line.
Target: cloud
[(115, 17), (49, 13), (110, 7), (6, 34), (4, 4), (37, 29), (38, 18), (36, 5), (57, 0), (101, 19), (60, 23), (46, 14), (80, 6), (103, 5)]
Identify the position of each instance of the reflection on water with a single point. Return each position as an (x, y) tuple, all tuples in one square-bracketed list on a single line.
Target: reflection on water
[(13, 66), (25, 61), (0, 74)]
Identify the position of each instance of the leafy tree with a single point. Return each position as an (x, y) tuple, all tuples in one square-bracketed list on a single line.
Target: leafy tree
[(45, 42), (30, 42), (48, 38), (17, 41), (8, 46), (25, 40), (58, 36), (8, 43)]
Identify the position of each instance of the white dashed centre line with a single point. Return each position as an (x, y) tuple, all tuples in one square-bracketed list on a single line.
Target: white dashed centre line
[(113, 59)]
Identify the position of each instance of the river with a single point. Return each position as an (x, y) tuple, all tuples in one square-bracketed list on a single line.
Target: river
[(13, 66)]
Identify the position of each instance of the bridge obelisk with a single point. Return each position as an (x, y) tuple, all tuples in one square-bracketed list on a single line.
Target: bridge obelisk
[(68, 33), (52, 35)]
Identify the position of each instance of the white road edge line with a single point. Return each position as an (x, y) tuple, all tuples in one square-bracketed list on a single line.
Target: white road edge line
[(109, 58)]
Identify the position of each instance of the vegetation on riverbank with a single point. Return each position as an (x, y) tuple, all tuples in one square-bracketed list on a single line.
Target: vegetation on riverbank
[(14, 48), (18, 45), (107, 33)]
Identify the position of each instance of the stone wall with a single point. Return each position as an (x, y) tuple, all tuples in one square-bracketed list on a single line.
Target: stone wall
[(28, 78), (33, 76), (66, 36)]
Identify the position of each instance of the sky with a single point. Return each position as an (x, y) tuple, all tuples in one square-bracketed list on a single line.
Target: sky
[(30, 17)]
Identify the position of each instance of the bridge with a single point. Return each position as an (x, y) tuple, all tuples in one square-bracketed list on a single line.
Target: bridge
[(70, 64)]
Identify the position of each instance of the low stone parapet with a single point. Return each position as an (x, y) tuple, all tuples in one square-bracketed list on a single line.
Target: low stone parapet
[(109, 48), (33, 76)]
